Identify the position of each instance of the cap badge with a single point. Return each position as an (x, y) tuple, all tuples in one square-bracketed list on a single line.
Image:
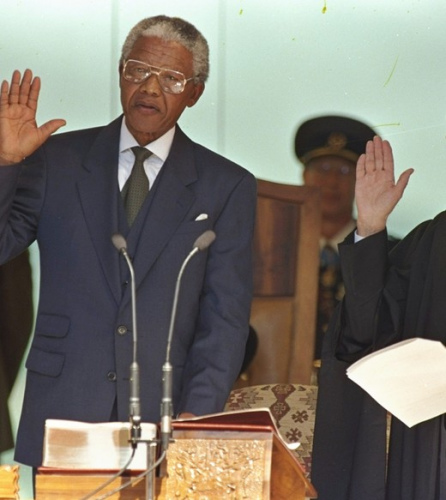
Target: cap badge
[(337, 140)]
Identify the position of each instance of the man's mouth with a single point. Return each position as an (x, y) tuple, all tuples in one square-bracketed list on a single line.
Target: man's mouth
[(147, 107)]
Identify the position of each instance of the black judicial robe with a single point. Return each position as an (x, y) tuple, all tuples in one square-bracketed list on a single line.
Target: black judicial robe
[(389, 297)]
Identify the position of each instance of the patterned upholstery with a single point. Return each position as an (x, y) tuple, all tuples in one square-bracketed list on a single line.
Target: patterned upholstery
[(293, 407)]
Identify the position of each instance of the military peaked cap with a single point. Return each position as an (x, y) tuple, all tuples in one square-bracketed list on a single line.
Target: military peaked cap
[(332, 135)]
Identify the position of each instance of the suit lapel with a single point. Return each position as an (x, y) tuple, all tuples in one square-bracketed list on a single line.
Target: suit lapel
[(169, 204), (98, 191), (171, 200)]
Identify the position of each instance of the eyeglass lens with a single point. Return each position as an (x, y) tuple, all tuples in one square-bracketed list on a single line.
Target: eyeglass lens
[(326, 168), (170, 81)]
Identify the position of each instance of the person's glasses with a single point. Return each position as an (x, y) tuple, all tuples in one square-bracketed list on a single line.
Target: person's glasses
[(170, 81), (327, 168)]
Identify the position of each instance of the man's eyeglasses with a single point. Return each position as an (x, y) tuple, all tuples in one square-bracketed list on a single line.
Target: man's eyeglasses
[(170, 81), (326, 168)]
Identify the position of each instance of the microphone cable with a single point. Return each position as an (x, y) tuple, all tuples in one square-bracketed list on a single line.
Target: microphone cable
[(115, 476), (135, 479)]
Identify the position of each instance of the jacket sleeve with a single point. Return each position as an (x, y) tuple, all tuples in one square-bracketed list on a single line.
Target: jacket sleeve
[(21, 198), (373, 312)]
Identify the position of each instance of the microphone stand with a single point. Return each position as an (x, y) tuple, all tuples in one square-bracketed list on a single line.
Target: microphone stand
[(134, 401), (166, 401), (201, 243)]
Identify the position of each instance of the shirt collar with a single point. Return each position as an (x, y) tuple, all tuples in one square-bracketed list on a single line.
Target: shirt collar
[(159, 147), (339, 237)]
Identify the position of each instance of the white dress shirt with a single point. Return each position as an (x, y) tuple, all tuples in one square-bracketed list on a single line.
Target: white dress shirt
[(160, 149)]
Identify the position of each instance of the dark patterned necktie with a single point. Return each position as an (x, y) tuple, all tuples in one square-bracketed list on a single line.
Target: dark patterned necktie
[(330, 292), (137, 185)]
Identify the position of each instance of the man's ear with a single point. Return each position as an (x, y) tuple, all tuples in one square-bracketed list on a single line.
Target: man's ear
[(120, 73), (196, 93)]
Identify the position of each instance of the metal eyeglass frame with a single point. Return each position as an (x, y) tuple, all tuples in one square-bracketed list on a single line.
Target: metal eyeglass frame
[(154, 70)]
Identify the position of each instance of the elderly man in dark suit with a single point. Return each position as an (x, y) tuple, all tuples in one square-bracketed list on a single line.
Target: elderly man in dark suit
[(71, 192)]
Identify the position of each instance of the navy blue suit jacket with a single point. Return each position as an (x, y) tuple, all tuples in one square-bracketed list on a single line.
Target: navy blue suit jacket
[(66, 197)]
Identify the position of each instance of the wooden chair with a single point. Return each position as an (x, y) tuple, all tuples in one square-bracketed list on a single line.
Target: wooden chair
[(286, 262)]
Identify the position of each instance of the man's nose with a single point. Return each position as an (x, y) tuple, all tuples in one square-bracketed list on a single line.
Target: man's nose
[(151, 85), (332, 176)]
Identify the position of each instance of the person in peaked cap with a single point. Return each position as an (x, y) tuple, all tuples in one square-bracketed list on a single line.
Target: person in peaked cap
[(328, 147)]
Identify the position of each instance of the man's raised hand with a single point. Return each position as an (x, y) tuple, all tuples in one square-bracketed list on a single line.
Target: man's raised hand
[(19, 134), (376, 192)]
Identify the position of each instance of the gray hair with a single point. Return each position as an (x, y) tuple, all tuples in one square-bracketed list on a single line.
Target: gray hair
[(172, 29)]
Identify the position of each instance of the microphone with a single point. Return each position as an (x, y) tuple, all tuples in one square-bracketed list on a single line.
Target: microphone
[(201, 243), (134, 401)]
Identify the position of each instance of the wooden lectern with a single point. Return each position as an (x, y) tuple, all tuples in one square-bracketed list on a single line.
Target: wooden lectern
[(284, 479)]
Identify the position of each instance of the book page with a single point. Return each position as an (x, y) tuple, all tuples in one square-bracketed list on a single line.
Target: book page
[(408, 379), (70, 444)]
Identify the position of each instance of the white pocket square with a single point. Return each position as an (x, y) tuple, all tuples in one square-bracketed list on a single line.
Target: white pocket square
[(202, 217)]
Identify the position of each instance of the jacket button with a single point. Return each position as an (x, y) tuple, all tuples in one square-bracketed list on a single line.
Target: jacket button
[(111, 376), (122, 330)]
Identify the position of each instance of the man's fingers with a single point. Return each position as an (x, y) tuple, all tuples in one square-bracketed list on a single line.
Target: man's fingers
[(33, 95), (23, 91), (378, 156), (4, 94), (25, 87), (404, 180), (360, 167), (387, 156), (369, 157), (50, 127), (378, 150), (14, 90)]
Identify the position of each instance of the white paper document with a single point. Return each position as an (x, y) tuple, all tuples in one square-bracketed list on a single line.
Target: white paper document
[(408, 379)]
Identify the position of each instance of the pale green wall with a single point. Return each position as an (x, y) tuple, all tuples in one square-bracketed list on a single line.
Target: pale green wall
[(273, 64)]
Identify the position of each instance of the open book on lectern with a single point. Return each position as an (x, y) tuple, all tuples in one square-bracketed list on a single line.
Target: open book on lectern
[(75, 445), (78, 445)]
